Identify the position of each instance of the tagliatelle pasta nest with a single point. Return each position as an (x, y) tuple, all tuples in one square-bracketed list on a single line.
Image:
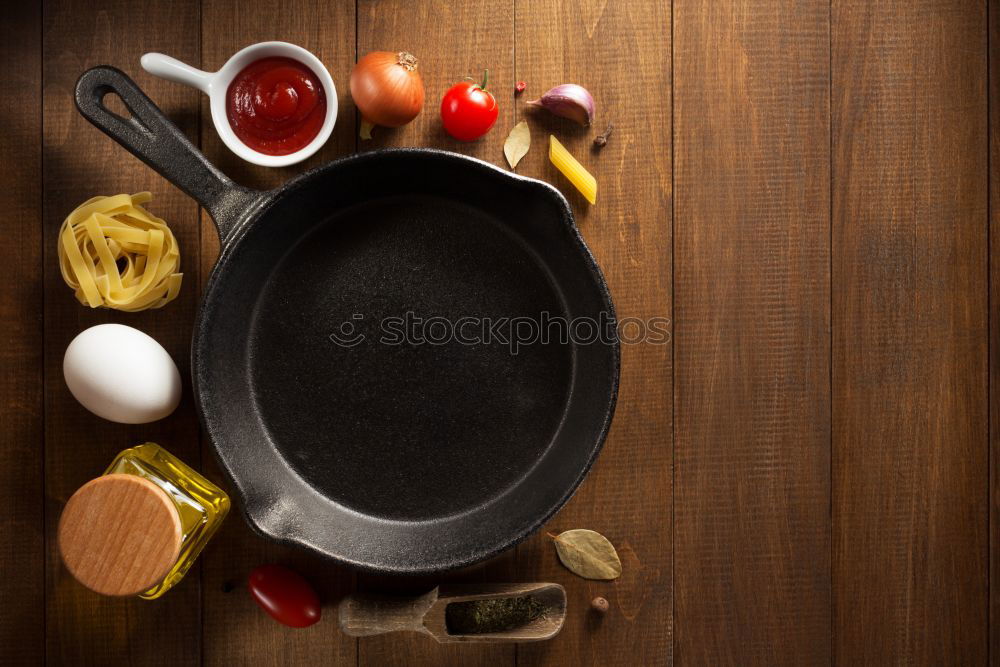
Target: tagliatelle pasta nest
[(115, 254)]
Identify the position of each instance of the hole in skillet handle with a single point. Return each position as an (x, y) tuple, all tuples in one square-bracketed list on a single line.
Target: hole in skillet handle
[(143, 130), (118, 109), (115, 105)]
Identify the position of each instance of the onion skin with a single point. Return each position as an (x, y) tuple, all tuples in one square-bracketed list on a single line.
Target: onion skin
[(387, 88)]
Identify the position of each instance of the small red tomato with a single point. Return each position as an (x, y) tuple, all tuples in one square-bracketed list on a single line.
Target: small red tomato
[(468, 110), (284, 595)]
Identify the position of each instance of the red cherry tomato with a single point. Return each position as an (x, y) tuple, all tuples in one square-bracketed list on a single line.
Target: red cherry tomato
[(468, 110), (285, 595)]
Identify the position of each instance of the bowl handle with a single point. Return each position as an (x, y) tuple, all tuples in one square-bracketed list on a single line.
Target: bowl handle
[(152, 138), (174, 70)]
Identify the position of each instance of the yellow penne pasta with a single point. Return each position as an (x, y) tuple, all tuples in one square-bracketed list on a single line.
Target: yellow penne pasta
[(582, 179)]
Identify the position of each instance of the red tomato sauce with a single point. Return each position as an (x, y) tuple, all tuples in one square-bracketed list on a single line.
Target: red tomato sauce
[(276, 106)]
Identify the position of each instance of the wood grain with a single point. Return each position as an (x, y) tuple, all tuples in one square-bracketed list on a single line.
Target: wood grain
[(80, 162), (993, 159), (239, 631), (120, 534), (22, 556), (909, 306), (620, 51), (752, 290), (830, 490), (451, 40)]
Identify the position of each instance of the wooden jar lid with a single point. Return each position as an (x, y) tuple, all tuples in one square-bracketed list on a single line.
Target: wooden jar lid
[(119, 534)]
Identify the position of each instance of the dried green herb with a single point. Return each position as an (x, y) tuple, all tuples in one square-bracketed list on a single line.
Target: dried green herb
[(588, 554), (477, 617)]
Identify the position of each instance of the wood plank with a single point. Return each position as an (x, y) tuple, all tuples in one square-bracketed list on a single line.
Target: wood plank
[(993, 70), (239, 632), (22, 556), (80, 162), (751, 219), (620, 51), (451, 41), (909, 267)]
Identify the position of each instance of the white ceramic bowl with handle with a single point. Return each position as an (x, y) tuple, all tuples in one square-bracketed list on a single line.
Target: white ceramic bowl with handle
[(216, 86)]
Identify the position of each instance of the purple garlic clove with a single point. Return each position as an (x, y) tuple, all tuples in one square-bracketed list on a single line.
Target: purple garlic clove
[(569, 101)]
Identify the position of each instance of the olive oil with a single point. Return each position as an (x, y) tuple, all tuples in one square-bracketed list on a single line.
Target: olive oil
[(201, 505)]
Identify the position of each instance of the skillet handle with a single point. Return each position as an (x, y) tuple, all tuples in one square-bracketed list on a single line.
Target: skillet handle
[(152, 138)]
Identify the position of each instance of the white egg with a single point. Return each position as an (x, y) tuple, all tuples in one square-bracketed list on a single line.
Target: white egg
[(121, 374)]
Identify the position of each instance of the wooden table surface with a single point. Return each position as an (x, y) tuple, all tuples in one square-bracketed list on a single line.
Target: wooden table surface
[(806, 474)]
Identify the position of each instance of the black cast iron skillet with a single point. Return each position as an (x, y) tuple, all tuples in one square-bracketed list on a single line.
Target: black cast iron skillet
[(388, 454)]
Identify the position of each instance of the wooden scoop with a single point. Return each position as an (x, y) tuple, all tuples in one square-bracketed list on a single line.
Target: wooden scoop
[(364, 615)]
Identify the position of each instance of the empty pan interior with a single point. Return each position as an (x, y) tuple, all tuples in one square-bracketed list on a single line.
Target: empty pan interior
[(360, 382), (384, 451)]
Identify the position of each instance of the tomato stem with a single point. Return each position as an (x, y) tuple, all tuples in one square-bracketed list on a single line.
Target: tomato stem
[(486, 78)]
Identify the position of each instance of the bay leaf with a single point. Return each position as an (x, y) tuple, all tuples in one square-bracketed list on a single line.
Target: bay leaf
[(517, 144), (588, 554)]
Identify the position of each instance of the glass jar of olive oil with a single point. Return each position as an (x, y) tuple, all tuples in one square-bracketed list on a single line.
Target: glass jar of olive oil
[(138, 528)]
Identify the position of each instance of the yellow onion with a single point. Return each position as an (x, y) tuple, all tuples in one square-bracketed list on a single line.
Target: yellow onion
[(387, 88)]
